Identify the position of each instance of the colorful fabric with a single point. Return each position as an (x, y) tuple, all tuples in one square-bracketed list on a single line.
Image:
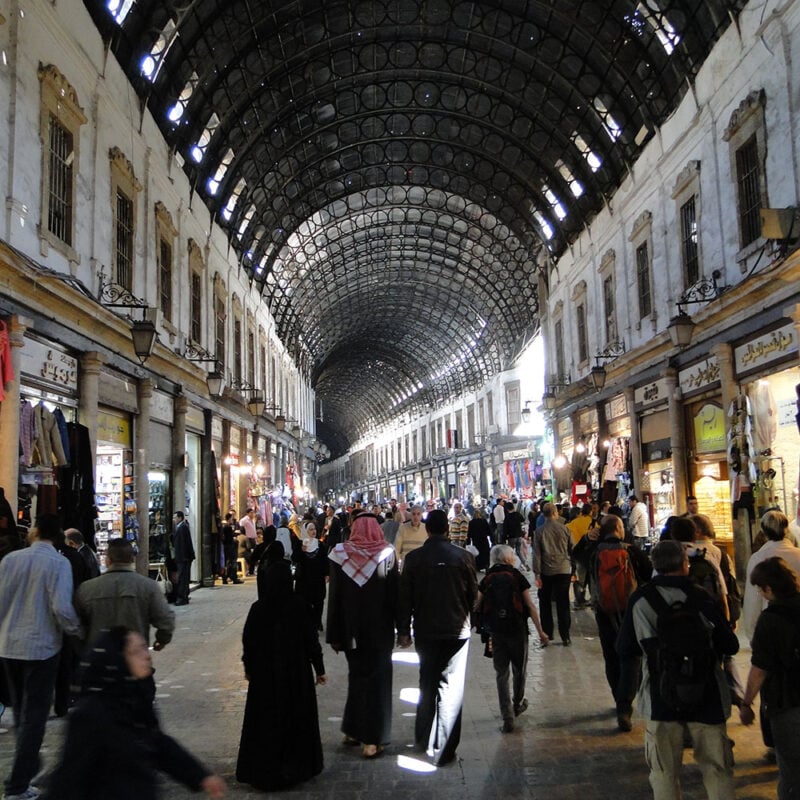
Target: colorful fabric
[(360, 555)]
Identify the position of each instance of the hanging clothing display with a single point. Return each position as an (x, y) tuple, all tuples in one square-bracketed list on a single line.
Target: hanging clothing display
[(740, 447), (6, 366)]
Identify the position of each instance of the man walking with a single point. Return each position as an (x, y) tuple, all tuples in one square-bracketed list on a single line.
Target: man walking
[(35, 611), (123, 598), (184, 555), (552, 567), (74, 539), (689, 691), (247, 525), (438, 590)]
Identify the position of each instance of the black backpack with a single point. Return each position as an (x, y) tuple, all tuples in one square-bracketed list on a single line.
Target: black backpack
[(681, 659), (704, 573), (503, 610)]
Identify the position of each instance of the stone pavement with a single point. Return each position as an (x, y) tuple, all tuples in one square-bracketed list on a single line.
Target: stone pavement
[(566, 746)]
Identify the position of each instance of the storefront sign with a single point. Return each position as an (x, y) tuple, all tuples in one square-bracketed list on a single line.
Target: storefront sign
[(510, 455), (616, 407), (709, 429), (117, 392), (216, 428), (587, 420), (651, 394), (49, 365), (196, 421), (774, 346), (699, 376), (564, 427), (113, 428), (161, 408)]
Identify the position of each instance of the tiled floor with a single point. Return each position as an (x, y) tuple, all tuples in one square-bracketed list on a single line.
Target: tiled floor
[(565, 746)]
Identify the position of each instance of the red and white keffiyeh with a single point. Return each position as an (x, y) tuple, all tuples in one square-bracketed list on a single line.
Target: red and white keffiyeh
[(360, 555)]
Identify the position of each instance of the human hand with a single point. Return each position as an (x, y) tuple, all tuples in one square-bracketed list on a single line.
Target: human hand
[(538, 583), (322, 679), (158, 645), (403, 640), (213, 786), (336, 646), (746, 714), (573, 578), (543, 638)]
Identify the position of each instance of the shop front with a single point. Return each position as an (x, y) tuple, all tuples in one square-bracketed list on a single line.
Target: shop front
[(706, 444), (768, 376), (656, 485), (616, 470), (55, 463)]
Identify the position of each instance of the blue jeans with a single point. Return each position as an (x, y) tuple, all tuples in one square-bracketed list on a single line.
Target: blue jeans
[(31, 685), (784, 725)]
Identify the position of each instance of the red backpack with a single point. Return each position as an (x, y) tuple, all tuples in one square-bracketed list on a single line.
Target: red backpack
[(614, 578)]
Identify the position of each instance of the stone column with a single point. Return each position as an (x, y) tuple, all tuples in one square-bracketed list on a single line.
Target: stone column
[(636, 441), (179, 408), (207, 502), (225, 470), (9, 415), (723, 352), (677, 435), (144, 391), (89, 390)]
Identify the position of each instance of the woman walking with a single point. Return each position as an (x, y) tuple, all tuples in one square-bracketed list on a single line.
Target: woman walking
[(362, 610)]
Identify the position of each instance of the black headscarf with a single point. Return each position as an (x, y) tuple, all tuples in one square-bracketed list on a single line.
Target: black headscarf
[(104, 671)]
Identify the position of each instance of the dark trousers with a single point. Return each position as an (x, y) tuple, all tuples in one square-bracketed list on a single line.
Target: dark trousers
[(231, 561), (31, 686), (67, 669), (622, 674), (510, 652), (368, 710), (442, 672), (182, 587), (555, 588)]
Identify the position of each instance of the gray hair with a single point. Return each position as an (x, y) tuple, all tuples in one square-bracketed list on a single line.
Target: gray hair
[(501, 554)]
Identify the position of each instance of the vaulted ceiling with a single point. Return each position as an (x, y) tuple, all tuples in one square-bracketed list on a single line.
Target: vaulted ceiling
[(394, 175)]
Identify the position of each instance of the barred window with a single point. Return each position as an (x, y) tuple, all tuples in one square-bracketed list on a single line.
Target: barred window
[(689, 251), (610, 307), (219, 330), (124, 241), (643, 280), (748, 179), (583, 344), (558, 331), (196, 308), (237, 351), (251, 358), (165, 278), (61, 177)]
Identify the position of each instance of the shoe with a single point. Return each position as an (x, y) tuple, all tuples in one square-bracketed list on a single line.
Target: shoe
[(31, 793), (181, 602), (508, 725), (624, 722), (224, 581), (237, 581), (521, 708), (567, 642), (371, 750), (350, 741)]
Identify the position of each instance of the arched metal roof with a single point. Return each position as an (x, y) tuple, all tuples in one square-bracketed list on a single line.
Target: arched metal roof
[(394, 173)]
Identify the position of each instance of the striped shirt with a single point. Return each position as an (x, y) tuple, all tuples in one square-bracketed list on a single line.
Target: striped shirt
[(35, 603)]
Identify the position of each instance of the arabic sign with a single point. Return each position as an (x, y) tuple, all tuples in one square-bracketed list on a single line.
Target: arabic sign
[(765, 349), (47, 364), (651, 393), (699, 376)]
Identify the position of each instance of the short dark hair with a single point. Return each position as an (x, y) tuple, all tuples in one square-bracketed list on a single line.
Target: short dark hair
[(48, 527), (120, 551), (690, 497), (633, 498), (436, 522), (179, 514), (74, 536), (778, 575), (668, 556), (682, 529), (775, 524)]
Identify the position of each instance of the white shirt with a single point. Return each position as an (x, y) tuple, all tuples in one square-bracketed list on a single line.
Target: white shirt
[(248, 526), (637, 521), (499, 514)]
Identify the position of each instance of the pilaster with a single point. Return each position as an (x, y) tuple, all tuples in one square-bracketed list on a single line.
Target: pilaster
[(141, 446)]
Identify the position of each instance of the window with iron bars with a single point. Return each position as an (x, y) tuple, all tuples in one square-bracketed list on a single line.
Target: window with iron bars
[(689, 251), (61, 175), (748, 179), (197, 308), (165, 279), (124, 243), (643, 280)]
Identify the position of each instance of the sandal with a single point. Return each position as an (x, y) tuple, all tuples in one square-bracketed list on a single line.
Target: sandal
[(371, 750)]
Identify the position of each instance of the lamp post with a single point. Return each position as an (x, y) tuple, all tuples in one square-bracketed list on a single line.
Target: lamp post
[(598, 372), (143, 331)]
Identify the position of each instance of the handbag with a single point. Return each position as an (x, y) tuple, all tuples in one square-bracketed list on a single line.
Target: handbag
[(470, 548), (164, 583)]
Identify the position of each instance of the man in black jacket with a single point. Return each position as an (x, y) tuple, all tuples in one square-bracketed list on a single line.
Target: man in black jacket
[(184, 555), (706, 720), (438, 589)]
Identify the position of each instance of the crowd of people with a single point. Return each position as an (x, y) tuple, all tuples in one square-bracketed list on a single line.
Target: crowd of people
[(389, 577)]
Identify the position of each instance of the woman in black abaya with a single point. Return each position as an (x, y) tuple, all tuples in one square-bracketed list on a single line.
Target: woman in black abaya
[(362, 611), (280, 744)]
